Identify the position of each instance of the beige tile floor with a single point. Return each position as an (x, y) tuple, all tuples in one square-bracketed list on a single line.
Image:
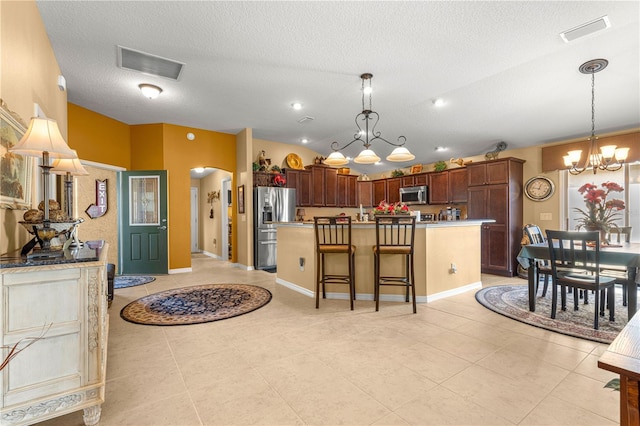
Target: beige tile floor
[(454, 362)]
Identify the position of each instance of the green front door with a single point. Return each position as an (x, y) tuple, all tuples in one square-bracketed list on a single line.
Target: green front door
[(143, 222)]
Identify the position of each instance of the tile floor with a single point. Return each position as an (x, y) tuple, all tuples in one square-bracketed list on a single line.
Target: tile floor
[(454, 362)]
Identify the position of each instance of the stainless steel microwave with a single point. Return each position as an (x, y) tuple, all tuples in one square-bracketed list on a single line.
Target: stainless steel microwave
[(414, 195)]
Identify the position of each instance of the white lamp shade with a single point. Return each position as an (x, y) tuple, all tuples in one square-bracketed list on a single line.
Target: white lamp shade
[(62, 166), (367, 156), (336, 159), (400, 154), (608, 151), (622, 153), (43, 135), (574, 156)]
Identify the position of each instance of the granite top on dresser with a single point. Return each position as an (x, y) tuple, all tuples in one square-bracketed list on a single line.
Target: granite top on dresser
[(89, 252)]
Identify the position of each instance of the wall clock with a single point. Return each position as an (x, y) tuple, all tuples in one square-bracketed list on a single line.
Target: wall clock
[(539, 188)]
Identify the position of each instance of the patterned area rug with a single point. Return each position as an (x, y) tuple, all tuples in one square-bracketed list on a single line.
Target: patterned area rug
[(124, 281), (196, 304), (513, 302)]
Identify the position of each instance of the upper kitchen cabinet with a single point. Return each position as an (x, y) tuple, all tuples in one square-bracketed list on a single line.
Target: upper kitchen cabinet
[(379, 191), (300, 180), (488, 173), (347, 190), (365, 193), (448, 187), (324, 181), (393, 190)]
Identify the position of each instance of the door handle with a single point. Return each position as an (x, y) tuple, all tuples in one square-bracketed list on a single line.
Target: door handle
[(162, 228)]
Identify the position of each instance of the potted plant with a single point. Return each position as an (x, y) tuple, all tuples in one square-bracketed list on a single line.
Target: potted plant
[(600, 214), (439, 166), (397, 173)]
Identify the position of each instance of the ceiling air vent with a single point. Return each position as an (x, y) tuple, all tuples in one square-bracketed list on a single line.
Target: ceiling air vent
[(305, 119), (148, 64), (585, 29)]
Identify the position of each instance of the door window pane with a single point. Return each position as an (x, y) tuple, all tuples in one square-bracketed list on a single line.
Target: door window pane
[(144, 200)]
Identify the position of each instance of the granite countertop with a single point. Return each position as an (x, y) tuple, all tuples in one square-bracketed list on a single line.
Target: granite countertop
[(420, 224), (89, 252)]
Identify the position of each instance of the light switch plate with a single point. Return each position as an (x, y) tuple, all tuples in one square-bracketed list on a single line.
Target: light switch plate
[(546, 216)]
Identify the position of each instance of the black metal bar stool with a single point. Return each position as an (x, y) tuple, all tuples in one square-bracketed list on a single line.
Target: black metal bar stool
[(333, 236), (395, 236)]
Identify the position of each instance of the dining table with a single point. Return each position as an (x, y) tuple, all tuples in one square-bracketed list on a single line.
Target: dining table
[(625, 255)]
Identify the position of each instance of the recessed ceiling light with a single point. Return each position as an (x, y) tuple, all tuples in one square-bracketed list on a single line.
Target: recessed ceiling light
[(304, 140), (440, 148), (150, 91), (438, 102), (296, 105), (199, 169)]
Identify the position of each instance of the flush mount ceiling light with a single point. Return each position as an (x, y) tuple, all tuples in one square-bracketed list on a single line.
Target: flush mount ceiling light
[(610, 157), (367, 156), (440, 148), (150, 91), (304, 140), (438, 102), (296, 105)]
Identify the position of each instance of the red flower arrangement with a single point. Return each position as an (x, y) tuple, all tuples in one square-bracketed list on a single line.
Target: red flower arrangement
[(600, 213), (395, 208)]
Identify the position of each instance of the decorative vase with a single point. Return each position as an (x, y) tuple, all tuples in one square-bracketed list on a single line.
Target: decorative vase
[(599, 228)]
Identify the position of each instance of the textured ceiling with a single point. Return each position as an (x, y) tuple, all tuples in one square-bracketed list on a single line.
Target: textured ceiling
[(501, 67)]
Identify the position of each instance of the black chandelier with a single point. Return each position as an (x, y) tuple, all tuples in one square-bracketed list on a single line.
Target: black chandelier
[(610, 157), (367, 156)]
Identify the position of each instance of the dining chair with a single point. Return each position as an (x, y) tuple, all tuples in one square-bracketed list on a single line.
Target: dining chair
[(575, 262), (333, 236), (623, 235), (395, 235), (543, 268)]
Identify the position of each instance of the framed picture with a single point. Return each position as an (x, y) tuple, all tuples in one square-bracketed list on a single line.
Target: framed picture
[(417, 168), (241, 199), (15, 170)]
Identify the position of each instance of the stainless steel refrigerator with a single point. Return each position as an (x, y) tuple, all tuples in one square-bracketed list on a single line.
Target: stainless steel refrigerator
[(270, 204)]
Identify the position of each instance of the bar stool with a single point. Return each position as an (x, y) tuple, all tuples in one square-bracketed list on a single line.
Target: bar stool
[(395, 236), (333, 236)]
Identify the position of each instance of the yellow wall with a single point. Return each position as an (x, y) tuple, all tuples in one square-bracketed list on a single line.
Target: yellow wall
[(99, 138), (28, 74), (243, 223), (278, 152), (147, 149)]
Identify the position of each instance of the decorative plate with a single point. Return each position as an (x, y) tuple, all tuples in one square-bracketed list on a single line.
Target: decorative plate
[(294, 161)]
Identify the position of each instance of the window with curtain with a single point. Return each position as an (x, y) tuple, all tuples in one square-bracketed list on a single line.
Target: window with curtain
[(628, 177)]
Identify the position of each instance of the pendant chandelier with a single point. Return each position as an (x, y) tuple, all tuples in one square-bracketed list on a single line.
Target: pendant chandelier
[(367, 156), (609, 157)]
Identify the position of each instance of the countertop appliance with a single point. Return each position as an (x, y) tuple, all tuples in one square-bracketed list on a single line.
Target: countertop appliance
[(270, 204), (414, 195)]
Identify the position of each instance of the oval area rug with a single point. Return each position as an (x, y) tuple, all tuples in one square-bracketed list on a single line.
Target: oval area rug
[(124, 281), (196, 304), (513, 302)]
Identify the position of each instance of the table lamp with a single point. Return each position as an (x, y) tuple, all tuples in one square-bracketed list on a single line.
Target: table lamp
[(43, 138), (68, 167), (300, 215)]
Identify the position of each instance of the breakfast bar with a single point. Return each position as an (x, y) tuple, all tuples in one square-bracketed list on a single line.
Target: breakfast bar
[(447, 260)]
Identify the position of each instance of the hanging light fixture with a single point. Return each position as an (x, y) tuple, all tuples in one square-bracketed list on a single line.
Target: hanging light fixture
[(367, 156), (610, 157)]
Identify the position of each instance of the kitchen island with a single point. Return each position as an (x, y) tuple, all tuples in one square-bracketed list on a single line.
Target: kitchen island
[(63, 300), (447, 260)]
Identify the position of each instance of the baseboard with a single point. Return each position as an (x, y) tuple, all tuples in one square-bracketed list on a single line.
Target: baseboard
[(295, 287), (206, 253), (180, 270), (454, 292)]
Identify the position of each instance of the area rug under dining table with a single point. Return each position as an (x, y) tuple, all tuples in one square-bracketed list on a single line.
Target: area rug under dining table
[(513, 301), (196, 304)]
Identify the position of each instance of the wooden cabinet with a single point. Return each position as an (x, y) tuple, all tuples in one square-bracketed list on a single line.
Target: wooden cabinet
[(448, 187), (379, 191), (408, 181), (324, 186), (420, 179), (393, 190), (64, 371), (300, 180), (500, 200), (365, 193), (347, 191)]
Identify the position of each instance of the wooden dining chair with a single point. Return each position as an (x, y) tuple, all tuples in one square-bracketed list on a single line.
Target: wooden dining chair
[(543, 268), (575, 262), (622, 235)]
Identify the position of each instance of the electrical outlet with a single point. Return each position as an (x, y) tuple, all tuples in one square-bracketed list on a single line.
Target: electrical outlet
[(454, 268), (301, 261)]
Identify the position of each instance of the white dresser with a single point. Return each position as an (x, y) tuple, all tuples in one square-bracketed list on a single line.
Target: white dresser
[(65, 370)]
